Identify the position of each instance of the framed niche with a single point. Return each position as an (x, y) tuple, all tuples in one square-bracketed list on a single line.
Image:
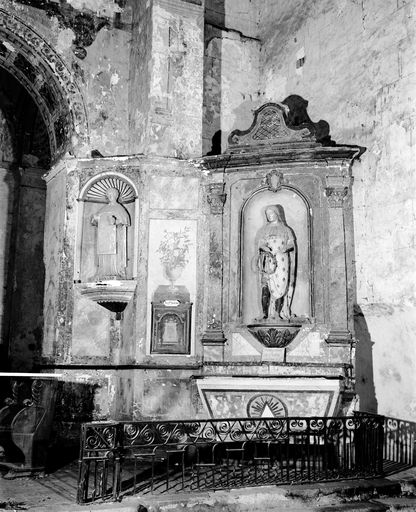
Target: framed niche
[(287, 267), (106, 240), (172, 285)]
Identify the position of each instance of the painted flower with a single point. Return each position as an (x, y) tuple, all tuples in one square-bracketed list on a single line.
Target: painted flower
[(174, 248)]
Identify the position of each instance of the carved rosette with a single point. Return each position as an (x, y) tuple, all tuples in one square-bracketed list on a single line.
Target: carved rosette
[(336, 196), (216, 198)]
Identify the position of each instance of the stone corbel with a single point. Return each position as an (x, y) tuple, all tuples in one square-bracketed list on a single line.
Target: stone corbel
[(337, 190), (216, 197)]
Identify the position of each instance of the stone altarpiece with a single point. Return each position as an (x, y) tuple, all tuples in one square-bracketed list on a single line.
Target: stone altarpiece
[(215, 287), (282, 292)]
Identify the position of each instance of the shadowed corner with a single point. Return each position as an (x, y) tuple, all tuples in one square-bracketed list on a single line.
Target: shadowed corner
[(364, 363)]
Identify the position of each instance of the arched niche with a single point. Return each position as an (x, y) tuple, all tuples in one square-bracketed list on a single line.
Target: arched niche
[(35, 64), (94, 199), (296, 216)]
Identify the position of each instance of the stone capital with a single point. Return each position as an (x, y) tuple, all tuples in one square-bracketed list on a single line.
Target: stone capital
[(336, 196), (216, 197), (337, 189)]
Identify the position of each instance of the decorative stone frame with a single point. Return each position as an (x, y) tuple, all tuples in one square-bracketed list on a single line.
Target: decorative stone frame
[(308, 211), (83, 197), (48, 80), (113, 295)]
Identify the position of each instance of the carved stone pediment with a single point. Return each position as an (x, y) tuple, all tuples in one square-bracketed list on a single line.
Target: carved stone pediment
[(269, 127)]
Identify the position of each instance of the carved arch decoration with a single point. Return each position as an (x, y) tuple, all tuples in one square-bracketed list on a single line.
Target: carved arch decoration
[(94, 190), (42, 72), (296, 212)]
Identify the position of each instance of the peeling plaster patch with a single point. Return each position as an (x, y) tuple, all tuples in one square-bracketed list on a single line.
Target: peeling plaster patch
[(65, 39)]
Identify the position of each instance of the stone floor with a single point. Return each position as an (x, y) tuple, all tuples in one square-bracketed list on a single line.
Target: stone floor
[(56, 492)]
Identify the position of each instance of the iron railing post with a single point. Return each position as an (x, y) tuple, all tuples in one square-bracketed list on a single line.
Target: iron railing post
[(380, 446), (82, 470), (118, 454)]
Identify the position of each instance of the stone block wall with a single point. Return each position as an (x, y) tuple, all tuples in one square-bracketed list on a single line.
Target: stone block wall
[(355, 63)]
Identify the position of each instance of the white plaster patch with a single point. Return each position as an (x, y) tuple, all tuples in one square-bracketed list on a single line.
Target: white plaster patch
[(100, 7), (115, 78), (65, 38), (9, 46)]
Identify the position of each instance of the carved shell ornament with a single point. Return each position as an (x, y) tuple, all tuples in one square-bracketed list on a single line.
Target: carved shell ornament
[(97, 191)]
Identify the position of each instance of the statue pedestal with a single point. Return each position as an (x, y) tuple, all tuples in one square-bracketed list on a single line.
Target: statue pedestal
[(113, 295)]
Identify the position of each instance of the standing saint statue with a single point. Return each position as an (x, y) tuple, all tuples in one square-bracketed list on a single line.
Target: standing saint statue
[(276, 264), (111, 221)]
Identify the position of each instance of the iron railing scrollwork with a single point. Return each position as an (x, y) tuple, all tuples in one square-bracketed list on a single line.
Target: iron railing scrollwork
[(160, 456), (399, 439)]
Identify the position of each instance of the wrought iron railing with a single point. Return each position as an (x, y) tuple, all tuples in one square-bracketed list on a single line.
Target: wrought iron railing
[(165, 456), (399, 440)]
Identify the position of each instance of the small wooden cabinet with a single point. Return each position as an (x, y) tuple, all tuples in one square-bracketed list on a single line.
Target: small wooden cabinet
[(171, 321)]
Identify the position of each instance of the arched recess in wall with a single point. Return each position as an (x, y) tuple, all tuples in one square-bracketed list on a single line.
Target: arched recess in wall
[(45, 76), (294, 210), (93, 197), (44, 112)]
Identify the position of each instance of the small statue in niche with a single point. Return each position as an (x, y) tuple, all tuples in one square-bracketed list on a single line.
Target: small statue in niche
[(276, 264), (111, 249)]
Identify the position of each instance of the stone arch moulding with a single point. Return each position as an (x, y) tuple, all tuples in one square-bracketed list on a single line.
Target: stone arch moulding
[(35, 64), (115, 291), (291, 199)]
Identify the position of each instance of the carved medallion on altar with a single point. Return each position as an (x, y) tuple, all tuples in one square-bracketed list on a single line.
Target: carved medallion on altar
[(265, 406), (231, 397)]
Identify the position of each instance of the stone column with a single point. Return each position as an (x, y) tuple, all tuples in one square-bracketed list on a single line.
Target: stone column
[(9, 179), (336, 191), (26, 293), (213, 338)]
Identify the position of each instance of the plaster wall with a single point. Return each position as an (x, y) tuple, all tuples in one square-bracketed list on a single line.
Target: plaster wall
[(176, 79), (139, 78), (231, 85), (105, 74), (93, 42), (355, 63), (53, 242)]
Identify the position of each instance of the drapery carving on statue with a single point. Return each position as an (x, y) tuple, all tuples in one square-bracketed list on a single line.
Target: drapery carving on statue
[(275, 262), (111, 240)]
